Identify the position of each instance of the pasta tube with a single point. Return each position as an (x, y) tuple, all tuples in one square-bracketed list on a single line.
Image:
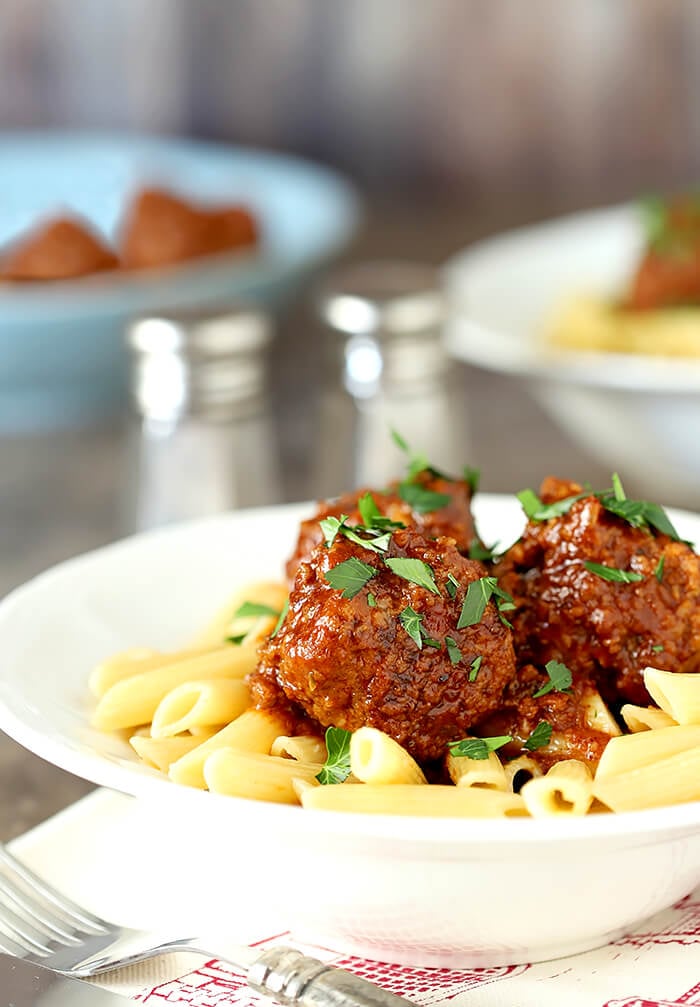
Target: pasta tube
[(632, 751), (162, 752), (253, 731), (377, 758), (567, 789), (435, 801), (199, 704), (672, 780), (302, 748), (677, 693), (645, 718), (257, 777), (524, 765), (134, 700), (488, 773)]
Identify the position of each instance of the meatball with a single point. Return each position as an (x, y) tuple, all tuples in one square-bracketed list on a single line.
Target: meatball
[(57, 250), (452, 518), (669, 271), (569, 714), (161, 229), (391, 656), (604, 631)]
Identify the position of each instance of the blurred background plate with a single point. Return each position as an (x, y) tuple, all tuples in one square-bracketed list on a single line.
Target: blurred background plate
[(61, 354), (639, 414)]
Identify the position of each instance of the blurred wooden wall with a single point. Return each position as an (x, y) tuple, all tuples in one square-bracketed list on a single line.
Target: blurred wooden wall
[(595, 98)]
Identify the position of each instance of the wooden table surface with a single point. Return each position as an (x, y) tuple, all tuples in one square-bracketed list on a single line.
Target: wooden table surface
[(59, 492)]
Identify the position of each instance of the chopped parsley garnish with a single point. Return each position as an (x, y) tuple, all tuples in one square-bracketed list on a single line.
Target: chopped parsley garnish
[(237, 639), (478, 595), (336, 768), (421, 499), (484, 553), (658, 648), (416, 463), (453, 651), (371, 600), (413, 570), (559, 679), (471, 477), (411, 622), (452, 585), (659, 571), (613, 574), (350, 576), (254, 608), (474, 670), (540, 737), (283, 616), (536, 510), (638, 513), (477, 748), (372, 517), (333, 526)]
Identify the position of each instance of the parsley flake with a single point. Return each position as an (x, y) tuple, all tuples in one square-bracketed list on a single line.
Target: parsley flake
[(237, 639), (484, 553), (411, 622), (618, 490), (477, 748), (420, 498), (659, 571), (453, 651), (350, 576), (472, 478), (372, 517), (283, 616), (474, 670), (254, 608), (478, 595), (559, 679), (658, 648), (336, 768), (536, 510), (612, 574), (540, 737), (415, 571), (333, 526), (452, 585), (371, 600)]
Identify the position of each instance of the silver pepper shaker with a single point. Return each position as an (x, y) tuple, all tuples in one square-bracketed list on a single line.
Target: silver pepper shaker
[(202, 439), (389, 370)]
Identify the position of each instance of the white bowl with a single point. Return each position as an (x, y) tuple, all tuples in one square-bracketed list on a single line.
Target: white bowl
[(449, 892), (634, 413)]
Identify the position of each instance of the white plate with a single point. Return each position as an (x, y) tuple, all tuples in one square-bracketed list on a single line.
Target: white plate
[(395, 888), (502, 290)]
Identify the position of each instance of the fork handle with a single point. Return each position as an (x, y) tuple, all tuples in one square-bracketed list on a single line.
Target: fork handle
[(294, 980)]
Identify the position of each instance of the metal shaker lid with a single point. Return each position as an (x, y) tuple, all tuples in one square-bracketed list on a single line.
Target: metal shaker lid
[(385, 297), (197, 361), (391, 315)]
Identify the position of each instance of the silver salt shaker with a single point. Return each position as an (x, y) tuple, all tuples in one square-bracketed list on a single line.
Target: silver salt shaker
[(389, 371), (202, 439)]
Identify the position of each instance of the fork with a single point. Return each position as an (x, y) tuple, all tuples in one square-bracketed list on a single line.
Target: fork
[(40, 924)]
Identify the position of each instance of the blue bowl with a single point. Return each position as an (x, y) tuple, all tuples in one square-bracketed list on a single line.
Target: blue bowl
[(62, 359)]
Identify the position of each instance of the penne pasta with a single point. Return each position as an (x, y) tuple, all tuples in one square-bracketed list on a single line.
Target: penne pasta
[(134, 700), (302, 748), (567, 789), (598, 716), (519, 771), (645, 718), (257, 777), (254, 731), (199, 704), (632, 751), (676, 693), (377, 758), (162, 752), (671, 780), (437, 801), (122, 665), (487, 773)]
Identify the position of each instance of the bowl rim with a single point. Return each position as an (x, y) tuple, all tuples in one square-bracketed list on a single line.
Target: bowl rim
[(519, 354), (462, 833), (104, 291)]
